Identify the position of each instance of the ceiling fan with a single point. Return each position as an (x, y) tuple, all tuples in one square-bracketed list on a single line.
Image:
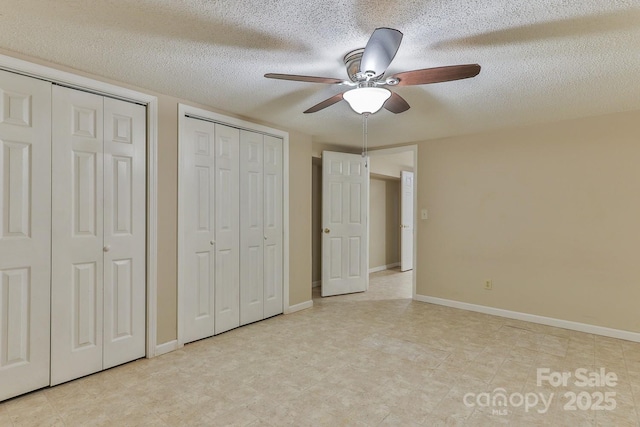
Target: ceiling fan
[(366, 68)]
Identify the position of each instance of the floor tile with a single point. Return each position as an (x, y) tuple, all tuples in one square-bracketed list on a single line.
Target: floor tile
[(367, 359)]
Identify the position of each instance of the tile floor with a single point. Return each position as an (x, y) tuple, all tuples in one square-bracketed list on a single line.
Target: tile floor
[(368, 359)]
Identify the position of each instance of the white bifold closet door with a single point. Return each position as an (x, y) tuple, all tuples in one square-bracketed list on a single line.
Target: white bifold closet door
[(232, 193), (211, 234), (124, 232), (98, 233), (252, 236), (261, 253), (25, 233), (227, 236), (199, 232), (273, 249)]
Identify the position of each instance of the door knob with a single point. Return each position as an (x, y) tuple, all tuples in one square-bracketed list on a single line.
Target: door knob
[(212, 242), (327, 231), (106, 248), (265, 237)]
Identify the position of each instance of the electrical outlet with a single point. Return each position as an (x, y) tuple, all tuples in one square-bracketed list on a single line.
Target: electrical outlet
[(488, 285)]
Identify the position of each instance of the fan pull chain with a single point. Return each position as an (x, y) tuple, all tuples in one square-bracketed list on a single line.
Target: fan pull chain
[(365, 137)]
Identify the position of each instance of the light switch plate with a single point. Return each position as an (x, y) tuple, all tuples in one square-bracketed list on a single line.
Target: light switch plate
[(423, 214)]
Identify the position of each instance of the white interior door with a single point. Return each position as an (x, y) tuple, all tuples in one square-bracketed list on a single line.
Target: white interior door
[(25, 233), (227, 236), (407, 222), (345, 201), (273, 250), (77, 238), (124, 232), (252, 236), (197, 187)]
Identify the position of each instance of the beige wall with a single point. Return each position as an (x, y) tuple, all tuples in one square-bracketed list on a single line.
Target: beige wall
[(299, 218), (318, 147), (384, 226), (300, 204), (550, 213), (316, 224), (167, 219), (391, 164)]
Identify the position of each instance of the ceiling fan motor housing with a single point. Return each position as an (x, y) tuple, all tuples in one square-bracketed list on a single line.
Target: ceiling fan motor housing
[(352, 62)]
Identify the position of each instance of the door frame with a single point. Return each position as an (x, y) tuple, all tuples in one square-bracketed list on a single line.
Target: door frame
[(183, 111), (404, 173), (399, 149), (75, 81)]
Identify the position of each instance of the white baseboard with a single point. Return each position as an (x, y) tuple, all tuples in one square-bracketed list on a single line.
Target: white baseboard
[(384, 267), (549, 321), (166, 347), (298, 307), (316, 284)]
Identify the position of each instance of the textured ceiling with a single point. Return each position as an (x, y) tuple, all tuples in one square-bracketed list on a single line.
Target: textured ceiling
[(542, 60)]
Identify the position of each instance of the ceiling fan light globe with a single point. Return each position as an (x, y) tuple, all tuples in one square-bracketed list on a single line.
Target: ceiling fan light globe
[(366, 99)]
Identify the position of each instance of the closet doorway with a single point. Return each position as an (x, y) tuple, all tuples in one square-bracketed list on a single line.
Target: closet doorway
[(232, 225), (32, 215)]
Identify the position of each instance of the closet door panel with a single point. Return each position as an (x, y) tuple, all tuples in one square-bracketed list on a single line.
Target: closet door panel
[(25, 233), (273, 249), (77, 234), (252, 235), (124, 232), (227, 234), (198, 190)]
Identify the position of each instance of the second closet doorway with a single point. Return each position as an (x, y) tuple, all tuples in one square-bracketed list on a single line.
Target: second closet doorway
[(231, 252)]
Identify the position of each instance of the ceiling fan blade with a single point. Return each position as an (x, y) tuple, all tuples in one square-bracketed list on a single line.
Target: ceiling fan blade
[(324, 104), (396, 104), (380, 51), (311, 79), (437, 75)]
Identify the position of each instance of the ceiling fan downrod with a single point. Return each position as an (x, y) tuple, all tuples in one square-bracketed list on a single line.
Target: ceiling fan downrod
[(365, 137)]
